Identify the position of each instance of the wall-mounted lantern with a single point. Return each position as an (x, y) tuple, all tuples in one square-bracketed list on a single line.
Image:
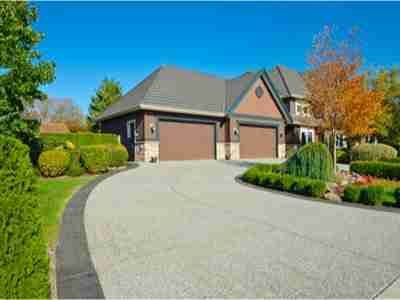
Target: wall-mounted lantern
[(152, 128), (235, 131)]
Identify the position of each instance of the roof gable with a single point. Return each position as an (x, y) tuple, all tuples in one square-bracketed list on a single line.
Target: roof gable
[(261, 75), (262, 105)]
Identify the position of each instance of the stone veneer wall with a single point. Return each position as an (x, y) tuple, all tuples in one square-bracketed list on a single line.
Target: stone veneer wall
[(281, 150), (221, 151), (234, 151), (151, 149)]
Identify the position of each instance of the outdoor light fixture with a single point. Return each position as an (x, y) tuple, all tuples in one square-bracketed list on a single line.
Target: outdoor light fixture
[(235, 131), (152, 128)]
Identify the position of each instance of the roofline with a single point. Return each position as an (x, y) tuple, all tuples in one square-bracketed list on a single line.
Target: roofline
[(162, 109), (263, 75)]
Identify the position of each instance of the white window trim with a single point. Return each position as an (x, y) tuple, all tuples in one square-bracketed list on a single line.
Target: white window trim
[(128, 128), (307, 130)]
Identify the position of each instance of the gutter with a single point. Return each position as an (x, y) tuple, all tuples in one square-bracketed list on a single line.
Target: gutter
[(163, 109)]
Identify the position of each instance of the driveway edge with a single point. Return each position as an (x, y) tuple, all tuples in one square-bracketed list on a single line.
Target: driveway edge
[(76, 276), (301, 197)]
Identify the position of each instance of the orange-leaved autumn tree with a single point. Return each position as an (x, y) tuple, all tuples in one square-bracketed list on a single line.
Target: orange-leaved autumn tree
[(336, 89)]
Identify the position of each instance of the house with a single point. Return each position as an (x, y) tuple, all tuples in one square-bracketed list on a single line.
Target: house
[(292, 91), (176, 114), (53, 127)]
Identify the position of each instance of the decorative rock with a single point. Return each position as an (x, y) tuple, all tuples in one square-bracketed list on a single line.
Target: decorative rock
[(333, 197)]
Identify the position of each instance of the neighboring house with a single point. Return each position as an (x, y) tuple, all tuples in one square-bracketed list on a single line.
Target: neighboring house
[(176, 114), (53, 127)]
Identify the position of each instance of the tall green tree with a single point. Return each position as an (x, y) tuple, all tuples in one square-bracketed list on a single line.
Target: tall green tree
[(109, 92), (388, 81), (22, 71)]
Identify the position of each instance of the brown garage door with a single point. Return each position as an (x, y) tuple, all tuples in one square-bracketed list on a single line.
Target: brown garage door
[(186, 141), (257, 142)]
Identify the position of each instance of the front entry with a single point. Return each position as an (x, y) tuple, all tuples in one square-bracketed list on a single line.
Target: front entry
[(258, 142), (186, 141)]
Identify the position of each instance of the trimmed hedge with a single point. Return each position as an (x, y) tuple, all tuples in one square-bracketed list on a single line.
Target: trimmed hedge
[(313, 161), (397, 196), (53, 163), (53, 140), (285, 182), (24, 264), (368, 195), (376, 168), (367, 152), (342, 156), (119, 156), (96, 159)]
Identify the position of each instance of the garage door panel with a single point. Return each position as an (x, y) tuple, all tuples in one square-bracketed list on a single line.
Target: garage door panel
[(186, 141), (257, 142)]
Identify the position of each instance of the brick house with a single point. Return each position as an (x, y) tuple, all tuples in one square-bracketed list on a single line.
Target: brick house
[(176, 114)]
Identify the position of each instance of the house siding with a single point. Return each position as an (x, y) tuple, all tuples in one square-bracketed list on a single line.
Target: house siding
[(264, 106)]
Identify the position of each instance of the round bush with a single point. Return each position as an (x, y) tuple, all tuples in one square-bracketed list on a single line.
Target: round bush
[(373, 152), (54, 163), (23, 252), (312, 160), (96, 159), (119, 156)]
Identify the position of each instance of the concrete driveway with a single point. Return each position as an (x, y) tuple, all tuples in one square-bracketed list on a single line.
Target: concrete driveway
[(188, 229)]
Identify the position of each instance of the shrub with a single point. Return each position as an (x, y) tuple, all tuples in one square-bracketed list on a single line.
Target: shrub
[(96, 159), (299, 186), (376, 168), (394, 160), (285, 182), (252, 175), (75, 168), (368, 152), (23, 252), (53, 140), (352, 193), (342, 156), (312, 160), (119, 155), (288, 182), (53, 163), (371, 195), (315, 188), (397, 196)]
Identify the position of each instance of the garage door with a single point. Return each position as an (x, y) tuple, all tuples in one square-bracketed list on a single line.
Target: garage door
[(257, 142), (186, 141)]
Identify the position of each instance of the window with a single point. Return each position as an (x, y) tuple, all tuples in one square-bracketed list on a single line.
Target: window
[(129, 126), (259, 92), (302, 109), (307, 135)]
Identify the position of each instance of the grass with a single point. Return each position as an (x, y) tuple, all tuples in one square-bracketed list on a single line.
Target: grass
[(54, 194)]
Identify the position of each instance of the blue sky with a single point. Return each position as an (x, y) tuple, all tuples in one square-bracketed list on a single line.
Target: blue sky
[(127, 40)]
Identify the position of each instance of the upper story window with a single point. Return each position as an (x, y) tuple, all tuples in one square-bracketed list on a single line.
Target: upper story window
[(302, 109), (259, 91)]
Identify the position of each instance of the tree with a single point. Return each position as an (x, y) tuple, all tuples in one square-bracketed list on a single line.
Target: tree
[(59, 110), (388, 81), (108, 93), (338, 94), (22, 72)]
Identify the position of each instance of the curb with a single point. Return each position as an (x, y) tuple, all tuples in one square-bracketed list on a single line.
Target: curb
[(76, 276), (306, 198)]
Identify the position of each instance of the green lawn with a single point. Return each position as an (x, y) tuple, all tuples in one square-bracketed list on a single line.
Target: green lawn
[(54, 194)]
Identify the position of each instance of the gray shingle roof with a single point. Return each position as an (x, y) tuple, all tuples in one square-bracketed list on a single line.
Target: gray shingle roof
[(287, 82), (171, 87)]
